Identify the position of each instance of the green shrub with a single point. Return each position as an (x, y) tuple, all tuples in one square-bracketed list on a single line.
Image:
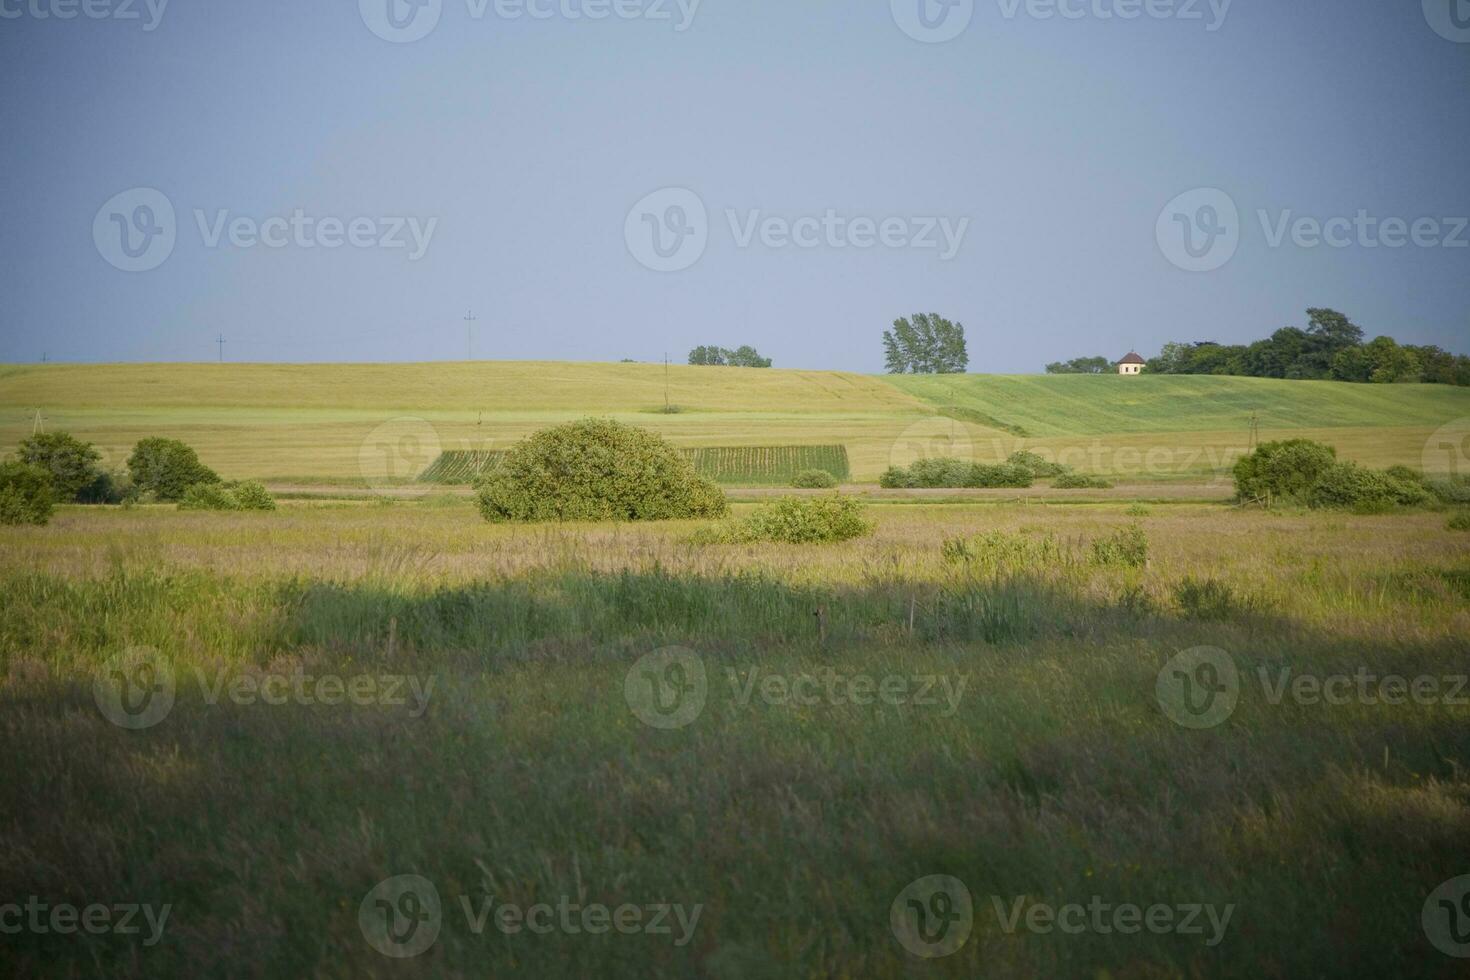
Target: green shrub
[(1137, 510), (1080, 481), (944, 473), (252, 496), (1038, 466), (71, 462), (167, 468), (1450, 489), (1126, 546), (1208, 599), (25, 494), (1353, 487), (1282, 471), (1406, 474), (941, 472), (896, 478), (596, 470), (1012, 551), (1004, 475), (1460, 522), (814, 480), (795, 520), (208, 496)]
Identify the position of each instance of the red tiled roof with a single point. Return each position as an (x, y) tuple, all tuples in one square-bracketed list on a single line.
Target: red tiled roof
[(1132, 358)]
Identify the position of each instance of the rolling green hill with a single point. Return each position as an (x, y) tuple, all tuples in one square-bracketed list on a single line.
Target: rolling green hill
[(332, 422), (1072, 405)]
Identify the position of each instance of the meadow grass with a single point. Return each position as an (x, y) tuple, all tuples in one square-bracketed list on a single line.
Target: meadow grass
[(1055, 776)]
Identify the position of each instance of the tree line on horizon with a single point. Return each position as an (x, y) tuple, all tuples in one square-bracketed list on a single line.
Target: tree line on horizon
[(1331, 348)]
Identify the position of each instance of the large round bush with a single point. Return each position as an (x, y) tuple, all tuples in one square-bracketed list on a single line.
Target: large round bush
[(1348, 485), (25, 494), (167, 468), (1282, 470), (597, 470), (71, 462)]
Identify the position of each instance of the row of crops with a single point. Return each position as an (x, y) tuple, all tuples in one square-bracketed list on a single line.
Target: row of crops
[(770, 465), (739, 465)]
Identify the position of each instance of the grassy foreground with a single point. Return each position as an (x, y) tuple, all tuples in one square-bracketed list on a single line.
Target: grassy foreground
[(514, 743), (385, 424)]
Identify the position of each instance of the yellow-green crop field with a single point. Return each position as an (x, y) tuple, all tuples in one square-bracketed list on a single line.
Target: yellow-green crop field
[(356, 424)]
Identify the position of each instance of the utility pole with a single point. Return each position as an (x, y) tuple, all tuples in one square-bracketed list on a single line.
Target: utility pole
[(1255, 431), (666, 382), (469, 335), (38, 423), (221, 342)]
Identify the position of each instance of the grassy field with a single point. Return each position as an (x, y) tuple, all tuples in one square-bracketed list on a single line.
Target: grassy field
[(514, 744), (382, 425)]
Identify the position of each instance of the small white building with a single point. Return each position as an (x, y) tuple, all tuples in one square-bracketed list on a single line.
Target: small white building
[(1131, 364)]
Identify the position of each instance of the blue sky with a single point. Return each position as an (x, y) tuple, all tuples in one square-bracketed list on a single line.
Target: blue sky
[(813, 170)]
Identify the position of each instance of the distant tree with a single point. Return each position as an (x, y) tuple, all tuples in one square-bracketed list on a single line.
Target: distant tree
[(71, 462), (1082, 365), (925, 344), (166, 468), (743, 356), (706, 356), (746, 356)]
